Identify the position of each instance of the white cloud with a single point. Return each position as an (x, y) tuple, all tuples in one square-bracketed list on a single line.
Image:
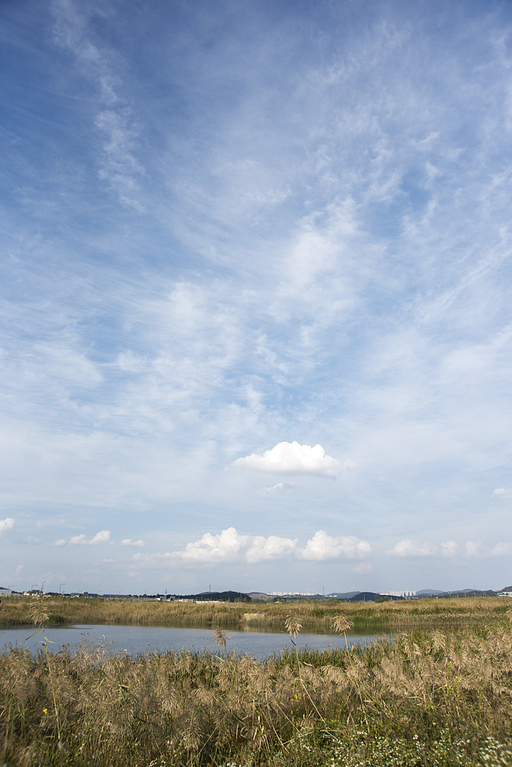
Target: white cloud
[(129, 542), (292, 458), (502, 492), (60, 542), (501, 550), (473, 549), (273, 547), (449, 548), (322, 546), (478, 550), (119, 166), (406, 548), (279, 489), (230, 546), (102, 537), (78, 540), (6, 524), (224, 547)]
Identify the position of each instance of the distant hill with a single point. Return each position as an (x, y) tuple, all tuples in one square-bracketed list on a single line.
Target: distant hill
[(260, 596)]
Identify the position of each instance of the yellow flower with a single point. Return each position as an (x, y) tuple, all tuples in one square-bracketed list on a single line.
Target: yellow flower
[(45, 710)]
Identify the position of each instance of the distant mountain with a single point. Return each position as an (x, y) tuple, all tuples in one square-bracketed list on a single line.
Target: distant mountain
[(260, 596), (427, 592)]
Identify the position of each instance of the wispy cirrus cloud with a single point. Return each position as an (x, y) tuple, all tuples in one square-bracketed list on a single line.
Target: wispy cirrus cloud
[(279, 489), (119, 167)]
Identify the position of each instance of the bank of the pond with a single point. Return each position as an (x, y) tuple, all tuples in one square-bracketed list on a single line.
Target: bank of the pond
[(371, 618), (435, 698)]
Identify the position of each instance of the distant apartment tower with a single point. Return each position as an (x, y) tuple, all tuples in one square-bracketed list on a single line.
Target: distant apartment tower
[(405, 594)]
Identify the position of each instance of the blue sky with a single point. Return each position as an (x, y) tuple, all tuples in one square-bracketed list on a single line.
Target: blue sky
[(256, 295)]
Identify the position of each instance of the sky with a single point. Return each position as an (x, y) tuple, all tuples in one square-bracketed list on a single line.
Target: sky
[(255, 295)]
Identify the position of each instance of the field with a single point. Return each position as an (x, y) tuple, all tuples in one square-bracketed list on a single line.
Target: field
[(440, 697), (371, 617)]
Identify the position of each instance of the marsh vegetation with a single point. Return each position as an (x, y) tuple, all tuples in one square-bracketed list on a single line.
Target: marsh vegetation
[(370, 617), (438, 697)]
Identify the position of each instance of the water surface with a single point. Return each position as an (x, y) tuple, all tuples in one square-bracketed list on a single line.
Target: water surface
[(140, 639)]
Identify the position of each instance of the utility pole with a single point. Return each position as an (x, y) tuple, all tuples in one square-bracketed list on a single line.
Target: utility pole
[(60, 587)]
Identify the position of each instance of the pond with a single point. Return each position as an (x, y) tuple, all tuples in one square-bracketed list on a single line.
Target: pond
[(140, 639)]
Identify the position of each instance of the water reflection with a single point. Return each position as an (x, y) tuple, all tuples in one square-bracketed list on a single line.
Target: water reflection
[(259, 643)]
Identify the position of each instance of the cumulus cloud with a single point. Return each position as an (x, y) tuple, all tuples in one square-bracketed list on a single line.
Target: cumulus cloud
[(214, 548), (478, 550), (472, 549), (449, 548), (60, 542), (272, 547), (501, 550), (407, 548), (502, 492), (102, 537), (129, 542), (323, 546), (6, 524), (230, 546), (79, 540), (279, 489), (292, 458)]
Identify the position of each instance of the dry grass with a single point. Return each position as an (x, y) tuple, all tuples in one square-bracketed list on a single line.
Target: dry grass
[(434, 698), (313, 616)]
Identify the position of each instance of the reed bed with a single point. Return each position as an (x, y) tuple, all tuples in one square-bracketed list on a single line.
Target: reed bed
[(385, 617), (433, 698)]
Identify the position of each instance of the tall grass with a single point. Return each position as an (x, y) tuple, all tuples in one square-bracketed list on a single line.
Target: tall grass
[(314, 616), (427, 698)]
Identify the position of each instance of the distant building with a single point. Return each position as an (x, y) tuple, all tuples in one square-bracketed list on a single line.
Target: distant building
[(405, 594)]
